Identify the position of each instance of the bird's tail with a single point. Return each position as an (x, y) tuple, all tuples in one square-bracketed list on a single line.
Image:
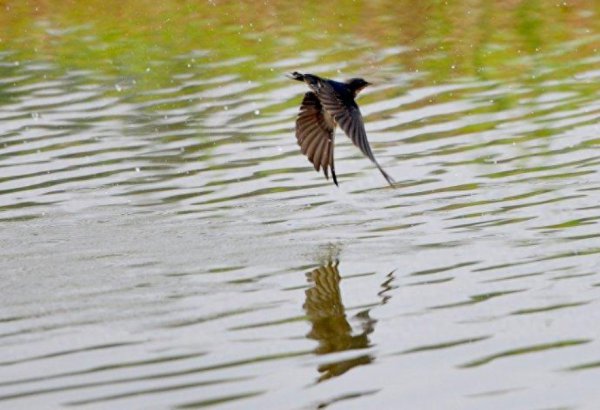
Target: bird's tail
[(296, 76)]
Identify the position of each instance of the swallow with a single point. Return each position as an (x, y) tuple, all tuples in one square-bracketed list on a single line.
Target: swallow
[(328, 104)]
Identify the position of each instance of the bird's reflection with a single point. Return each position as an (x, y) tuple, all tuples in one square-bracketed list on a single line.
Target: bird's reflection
[(330, 326)]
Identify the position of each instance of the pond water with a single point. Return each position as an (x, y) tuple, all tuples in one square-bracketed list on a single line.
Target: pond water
[(164, 244)]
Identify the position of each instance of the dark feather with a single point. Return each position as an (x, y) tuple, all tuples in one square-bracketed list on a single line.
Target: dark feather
[(315, 133)]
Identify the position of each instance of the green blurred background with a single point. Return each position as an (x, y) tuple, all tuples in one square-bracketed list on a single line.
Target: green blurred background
[(482, 38)]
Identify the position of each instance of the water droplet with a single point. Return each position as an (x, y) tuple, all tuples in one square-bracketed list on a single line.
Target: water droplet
[(118, 87), (256, 112), (137, 169)]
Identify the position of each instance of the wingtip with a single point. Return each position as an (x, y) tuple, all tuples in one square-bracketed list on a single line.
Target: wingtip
[(334, 177), (388, 178), (391, 181)]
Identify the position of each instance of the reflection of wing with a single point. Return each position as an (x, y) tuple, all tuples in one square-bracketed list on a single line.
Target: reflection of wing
[(346, 113), (315, 132), (324, 300), (330, 326)]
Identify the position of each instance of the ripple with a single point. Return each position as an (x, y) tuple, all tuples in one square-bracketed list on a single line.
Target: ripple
[(165, 243), (524, 350)]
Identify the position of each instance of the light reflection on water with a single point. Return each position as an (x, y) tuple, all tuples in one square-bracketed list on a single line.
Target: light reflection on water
[(165, 244)]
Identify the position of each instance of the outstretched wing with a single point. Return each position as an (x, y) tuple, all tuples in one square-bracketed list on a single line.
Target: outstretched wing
[(347, 115), (315, 133)]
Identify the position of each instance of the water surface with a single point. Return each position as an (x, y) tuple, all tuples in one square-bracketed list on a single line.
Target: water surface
[(165, 245)]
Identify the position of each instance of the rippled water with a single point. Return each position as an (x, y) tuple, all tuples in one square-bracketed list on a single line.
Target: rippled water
[(164, 243)]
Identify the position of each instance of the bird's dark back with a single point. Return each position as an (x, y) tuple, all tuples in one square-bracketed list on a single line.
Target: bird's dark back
[(344, 93)]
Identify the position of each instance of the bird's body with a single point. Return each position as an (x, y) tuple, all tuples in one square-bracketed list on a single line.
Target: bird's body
[(330, 103)]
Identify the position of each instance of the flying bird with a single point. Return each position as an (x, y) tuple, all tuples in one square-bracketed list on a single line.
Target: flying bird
[(328, 104)]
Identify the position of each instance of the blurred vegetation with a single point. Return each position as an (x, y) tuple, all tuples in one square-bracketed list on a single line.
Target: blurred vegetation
[(445, 39)]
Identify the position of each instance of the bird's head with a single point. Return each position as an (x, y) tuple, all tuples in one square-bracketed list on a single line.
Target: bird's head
[(357, 84)]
